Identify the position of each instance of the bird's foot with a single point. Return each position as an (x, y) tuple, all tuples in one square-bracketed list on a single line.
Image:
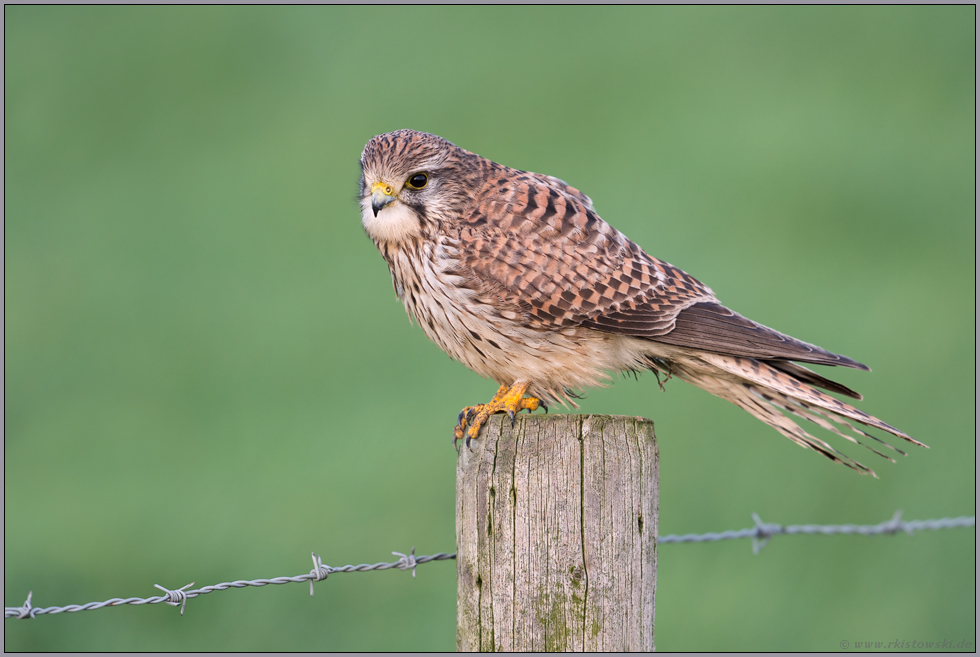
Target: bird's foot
[(509, 399)]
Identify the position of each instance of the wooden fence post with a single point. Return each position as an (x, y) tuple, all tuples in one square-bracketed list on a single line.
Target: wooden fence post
[(556, 526)]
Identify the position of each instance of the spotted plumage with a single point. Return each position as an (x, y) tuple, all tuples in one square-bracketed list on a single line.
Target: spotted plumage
[(515, 275)]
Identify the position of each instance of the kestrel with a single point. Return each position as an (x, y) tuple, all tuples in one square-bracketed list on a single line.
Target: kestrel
[(514, 275)]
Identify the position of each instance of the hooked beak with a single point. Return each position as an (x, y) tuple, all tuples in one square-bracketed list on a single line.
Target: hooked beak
[(381, 195)]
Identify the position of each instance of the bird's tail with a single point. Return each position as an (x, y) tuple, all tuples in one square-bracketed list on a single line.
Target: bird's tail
[(768, 389)]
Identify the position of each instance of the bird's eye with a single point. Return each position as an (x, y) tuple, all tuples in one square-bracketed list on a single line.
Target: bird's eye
[(417, 181)]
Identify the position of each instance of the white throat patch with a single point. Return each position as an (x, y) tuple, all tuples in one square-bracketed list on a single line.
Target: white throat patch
[(395, 223)]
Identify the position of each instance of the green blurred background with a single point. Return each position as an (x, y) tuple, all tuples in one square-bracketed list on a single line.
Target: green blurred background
[(207, 374)]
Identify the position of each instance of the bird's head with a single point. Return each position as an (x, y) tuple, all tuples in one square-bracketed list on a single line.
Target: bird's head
[(408, 180)]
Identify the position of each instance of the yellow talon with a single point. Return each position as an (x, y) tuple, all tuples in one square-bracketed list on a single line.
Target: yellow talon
[(509, 399)]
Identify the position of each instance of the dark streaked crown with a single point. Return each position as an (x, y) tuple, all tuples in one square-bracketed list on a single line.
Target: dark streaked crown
[(397, 153)]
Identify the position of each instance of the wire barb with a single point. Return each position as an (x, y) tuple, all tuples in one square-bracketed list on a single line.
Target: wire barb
[(763, 535), (319, 572), (407, 561), (25, 610), (894, 525), (177, 597)]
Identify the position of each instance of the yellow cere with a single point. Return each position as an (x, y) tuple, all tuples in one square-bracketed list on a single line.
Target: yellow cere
[(384, 187)]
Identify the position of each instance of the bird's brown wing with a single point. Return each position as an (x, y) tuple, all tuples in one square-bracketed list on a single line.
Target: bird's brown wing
[(539, 248), (537, 245), (713, 327)]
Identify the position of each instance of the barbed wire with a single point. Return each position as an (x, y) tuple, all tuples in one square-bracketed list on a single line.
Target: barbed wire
[(179, 597), (763, 532), (760, 534)]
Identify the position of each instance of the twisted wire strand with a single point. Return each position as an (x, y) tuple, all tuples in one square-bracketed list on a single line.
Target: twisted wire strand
[(763, 532), (760, 534), (179, 597)]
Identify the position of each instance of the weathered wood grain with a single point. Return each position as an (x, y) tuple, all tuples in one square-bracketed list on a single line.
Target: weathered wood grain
[(556, 525)]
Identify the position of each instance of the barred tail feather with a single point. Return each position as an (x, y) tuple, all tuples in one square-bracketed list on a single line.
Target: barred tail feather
[(767, 390)]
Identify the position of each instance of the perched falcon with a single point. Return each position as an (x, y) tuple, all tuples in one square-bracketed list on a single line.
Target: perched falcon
[(515, 275)]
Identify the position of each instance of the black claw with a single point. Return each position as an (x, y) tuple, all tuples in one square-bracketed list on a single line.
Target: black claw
[(469, 414), (468, 442), (513, 418), (456, 444), (543, 405), (459, 418)]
